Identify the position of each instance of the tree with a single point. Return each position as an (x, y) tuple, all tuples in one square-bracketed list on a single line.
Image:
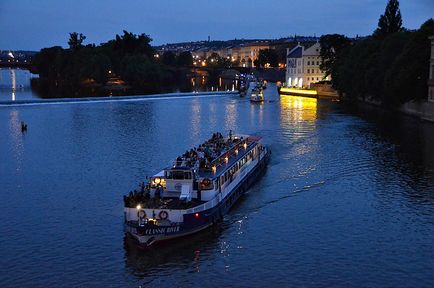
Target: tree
[(391, 21), (407, 77), (267, 56), (168, 58), (75, 40), (332, 46), (184, 59)]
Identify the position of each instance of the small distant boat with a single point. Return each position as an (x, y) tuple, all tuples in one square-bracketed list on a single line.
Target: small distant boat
[(257, 95), (244, 87)]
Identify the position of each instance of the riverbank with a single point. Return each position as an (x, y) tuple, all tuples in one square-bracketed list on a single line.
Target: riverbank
[(423, 110), (114, 98)]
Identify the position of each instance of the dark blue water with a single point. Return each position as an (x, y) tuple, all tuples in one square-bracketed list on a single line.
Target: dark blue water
[(347, 200)]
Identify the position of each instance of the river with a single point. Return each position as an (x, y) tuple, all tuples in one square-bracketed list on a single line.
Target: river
[(347, 199)]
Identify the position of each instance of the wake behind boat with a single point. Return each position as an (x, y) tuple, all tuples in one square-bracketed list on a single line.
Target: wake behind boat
[(196, 191)]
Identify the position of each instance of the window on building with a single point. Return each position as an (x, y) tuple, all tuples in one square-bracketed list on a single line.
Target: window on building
[(317, 62), (308, 62), (308, 71), (307, 78)]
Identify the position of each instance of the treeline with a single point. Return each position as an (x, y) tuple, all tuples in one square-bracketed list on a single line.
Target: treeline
[(127, 62), (389, 67)]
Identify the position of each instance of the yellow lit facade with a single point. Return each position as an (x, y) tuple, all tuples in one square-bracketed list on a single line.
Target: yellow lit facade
[(298, 92)]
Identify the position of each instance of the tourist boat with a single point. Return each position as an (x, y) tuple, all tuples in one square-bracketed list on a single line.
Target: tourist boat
[(257, 95), (196, 191)]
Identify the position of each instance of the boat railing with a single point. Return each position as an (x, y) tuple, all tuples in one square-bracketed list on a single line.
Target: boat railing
[(205, 206), (227, 154)]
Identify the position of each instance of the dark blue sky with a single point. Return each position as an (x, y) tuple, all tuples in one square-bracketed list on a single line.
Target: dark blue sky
[(34, 24)]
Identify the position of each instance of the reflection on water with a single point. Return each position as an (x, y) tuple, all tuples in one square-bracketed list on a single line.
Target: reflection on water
[(231, 116), (297, 109), (15, 84), (195, 116), (182, 253), (16, 138), (345, 199)]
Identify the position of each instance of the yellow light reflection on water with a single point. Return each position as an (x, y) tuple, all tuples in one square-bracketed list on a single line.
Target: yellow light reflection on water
[(298, 122), (296, 108)]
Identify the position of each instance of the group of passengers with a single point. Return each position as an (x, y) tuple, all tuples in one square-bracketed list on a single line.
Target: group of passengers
[(202, 156)]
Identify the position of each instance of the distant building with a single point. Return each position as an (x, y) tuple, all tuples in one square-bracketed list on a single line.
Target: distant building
[(431, 73), (302, 66), (246, 54)]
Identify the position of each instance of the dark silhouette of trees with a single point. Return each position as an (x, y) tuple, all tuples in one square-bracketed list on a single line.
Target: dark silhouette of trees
[(390, 67), (267, 56), (407, 77), (390, 70), (169, 58), (391, 21), (75, 40), (332, 46), (127, 61), (184, 59), (214, 60)]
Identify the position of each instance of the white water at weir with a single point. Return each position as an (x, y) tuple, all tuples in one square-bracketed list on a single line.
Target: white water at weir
[(93, 100)]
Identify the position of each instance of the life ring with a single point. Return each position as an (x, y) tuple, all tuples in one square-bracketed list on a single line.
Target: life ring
[(141, 214), (206, 182), (163, 215)]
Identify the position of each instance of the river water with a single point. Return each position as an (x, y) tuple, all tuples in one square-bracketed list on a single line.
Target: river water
[(347, 199)]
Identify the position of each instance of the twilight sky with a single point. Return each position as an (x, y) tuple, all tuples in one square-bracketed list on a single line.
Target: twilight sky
[(34, 24)]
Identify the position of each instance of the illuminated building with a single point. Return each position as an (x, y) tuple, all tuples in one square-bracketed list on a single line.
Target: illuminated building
[(246, 54), (302, 67)]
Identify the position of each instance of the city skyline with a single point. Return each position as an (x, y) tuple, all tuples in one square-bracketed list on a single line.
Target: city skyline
[(49, 22)]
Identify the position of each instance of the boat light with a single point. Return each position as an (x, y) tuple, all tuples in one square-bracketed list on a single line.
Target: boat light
[(196, 215), (226, 159), (214, 169), (245, 145), (139, 207), (157, 180), (236, 151)]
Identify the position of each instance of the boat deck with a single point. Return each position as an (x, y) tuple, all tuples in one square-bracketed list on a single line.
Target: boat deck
[(146, 202), (231, 160)]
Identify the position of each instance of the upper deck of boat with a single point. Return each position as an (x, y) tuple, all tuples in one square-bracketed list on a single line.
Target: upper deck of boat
[(212, 158)]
